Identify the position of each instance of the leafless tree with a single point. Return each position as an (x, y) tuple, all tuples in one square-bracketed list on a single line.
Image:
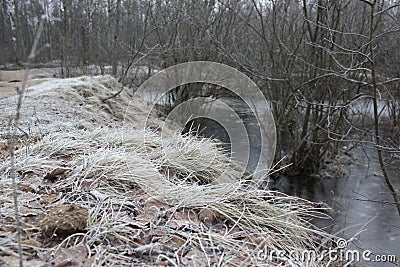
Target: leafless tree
[(313, 59)]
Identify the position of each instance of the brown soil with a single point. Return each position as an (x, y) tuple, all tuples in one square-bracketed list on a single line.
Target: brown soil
[(64, 220), (10, 80)]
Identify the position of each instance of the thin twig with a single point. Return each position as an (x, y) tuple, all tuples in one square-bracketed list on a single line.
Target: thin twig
[(377, 136), (114, 95), (14, 125)]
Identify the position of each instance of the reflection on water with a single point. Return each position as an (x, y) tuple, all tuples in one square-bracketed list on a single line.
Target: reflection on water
[(359, 201), (213, 129), (357, 198)]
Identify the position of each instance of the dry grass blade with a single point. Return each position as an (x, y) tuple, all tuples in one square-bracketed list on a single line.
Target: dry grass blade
[(148, 198)]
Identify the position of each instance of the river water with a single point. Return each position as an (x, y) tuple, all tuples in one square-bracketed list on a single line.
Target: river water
[(357, 198)]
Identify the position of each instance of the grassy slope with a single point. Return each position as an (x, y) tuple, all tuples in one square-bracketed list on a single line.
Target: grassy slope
[(94, 189)]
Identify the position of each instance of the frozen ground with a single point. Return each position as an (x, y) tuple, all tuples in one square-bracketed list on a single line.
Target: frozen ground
[(95, 189)]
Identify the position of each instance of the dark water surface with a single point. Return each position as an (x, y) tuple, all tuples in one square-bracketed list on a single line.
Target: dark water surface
[(358, 202), (357, 198)]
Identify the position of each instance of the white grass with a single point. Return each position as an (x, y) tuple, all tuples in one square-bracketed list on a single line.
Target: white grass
[(146, 195)]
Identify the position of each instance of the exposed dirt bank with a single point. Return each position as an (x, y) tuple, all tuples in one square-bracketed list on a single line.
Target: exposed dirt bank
[(10, 80)]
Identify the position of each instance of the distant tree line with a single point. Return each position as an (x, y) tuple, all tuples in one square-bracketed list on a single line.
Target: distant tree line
[(313, 59)]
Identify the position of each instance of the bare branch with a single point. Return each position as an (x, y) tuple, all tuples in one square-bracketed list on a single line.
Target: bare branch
[(14, 125)]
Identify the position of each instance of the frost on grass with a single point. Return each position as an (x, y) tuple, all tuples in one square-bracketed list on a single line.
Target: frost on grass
[(145, 200)]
